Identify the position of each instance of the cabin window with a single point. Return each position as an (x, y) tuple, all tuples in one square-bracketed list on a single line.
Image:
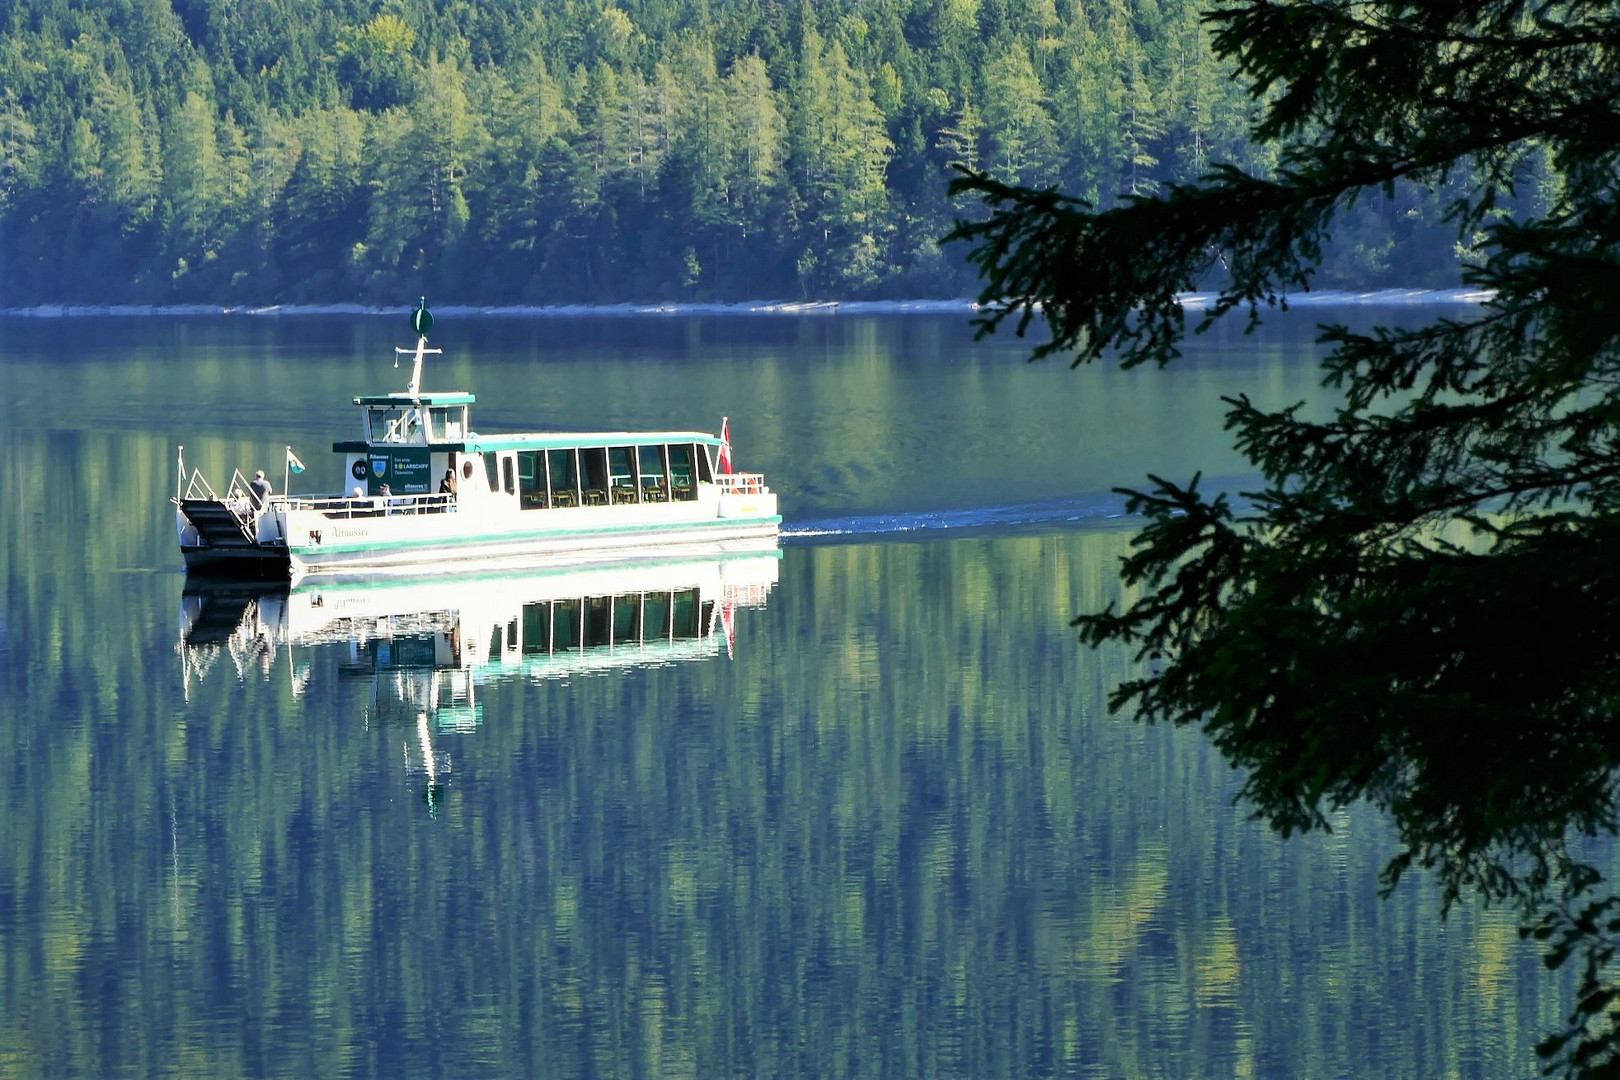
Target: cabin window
[(447, 424), (564, 468), (531, 480), (382, 423), (621, 472), (705, 467), (508, 471), (683, 472), (594, 474), (393, 424), (654, 474)]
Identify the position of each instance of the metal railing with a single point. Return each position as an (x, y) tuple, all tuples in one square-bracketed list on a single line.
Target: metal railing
[(239, 501), (743, 483), (354, 506), (196, 487)]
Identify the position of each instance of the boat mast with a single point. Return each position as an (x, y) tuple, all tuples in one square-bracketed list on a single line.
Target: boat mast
[(421, 322)]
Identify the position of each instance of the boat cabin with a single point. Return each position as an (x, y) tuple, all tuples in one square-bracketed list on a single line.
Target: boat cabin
[(408, 442), (411, 441), (612, 468)]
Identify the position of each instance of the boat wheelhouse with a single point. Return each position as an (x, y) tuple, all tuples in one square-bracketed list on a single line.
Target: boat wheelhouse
[(426, 491)]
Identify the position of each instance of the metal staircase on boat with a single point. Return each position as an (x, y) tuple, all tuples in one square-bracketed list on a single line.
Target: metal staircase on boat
[(218, 524)]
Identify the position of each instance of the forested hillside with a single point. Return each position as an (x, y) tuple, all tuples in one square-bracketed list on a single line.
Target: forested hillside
[(536, 151)]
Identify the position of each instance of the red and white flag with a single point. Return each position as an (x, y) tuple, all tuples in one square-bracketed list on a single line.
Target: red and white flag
[(725, 444)]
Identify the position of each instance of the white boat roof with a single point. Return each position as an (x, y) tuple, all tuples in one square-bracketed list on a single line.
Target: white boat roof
[(438, 397), (563, 440)]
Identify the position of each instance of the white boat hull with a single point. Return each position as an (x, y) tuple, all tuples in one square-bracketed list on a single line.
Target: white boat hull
[(366, 536)]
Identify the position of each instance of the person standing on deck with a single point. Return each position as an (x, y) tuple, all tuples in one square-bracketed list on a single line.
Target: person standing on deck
[(260, 490)]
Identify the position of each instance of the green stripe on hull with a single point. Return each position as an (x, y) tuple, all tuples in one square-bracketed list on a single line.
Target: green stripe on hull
[(651, 533), (563, 550)]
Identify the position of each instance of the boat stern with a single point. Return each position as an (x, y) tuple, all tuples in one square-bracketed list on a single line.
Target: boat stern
[(744, 495)]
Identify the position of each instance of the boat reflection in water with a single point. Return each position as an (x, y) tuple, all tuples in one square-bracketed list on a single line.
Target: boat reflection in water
[(429, 644)]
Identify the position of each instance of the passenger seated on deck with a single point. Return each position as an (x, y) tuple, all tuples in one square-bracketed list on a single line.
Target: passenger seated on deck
[(447, 486), (259, 490), (367, 508)]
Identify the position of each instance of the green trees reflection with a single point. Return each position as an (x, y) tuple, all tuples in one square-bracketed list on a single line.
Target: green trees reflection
[(895, 836)]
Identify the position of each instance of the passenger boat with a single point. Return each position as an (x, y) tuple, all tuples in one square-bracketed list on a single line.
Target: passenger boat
[(430, 493)]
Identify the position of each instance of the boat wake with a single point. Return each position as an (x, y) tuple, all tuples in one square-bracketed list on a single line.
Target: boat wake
[(1091, 512)]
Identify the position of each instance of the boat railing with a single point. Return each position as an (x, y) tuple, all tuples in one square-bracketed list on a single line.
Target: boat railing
[(354, 506), (742, 483), (196, 488)]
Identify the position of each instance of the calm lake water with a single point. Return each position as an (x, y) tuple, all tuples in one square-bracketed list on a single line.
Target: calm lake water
[(871, 820)]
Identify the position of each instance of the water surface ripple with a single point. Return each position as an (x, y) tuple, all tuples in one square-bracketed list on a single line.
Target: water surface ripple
[(856, 812)]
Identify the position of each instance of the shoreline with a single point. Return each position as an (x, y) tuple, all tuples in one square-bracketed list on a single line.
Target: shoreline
[(1378, 298)]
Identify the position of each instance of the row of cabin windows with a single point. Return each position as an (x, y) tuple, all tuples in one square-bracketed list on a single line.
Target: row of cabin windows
[(600, 475), (551, 627)]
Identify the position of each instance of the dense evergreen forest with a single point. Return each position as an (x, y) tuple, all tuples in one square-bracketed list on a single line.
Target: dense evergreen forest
[(539, 151)]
